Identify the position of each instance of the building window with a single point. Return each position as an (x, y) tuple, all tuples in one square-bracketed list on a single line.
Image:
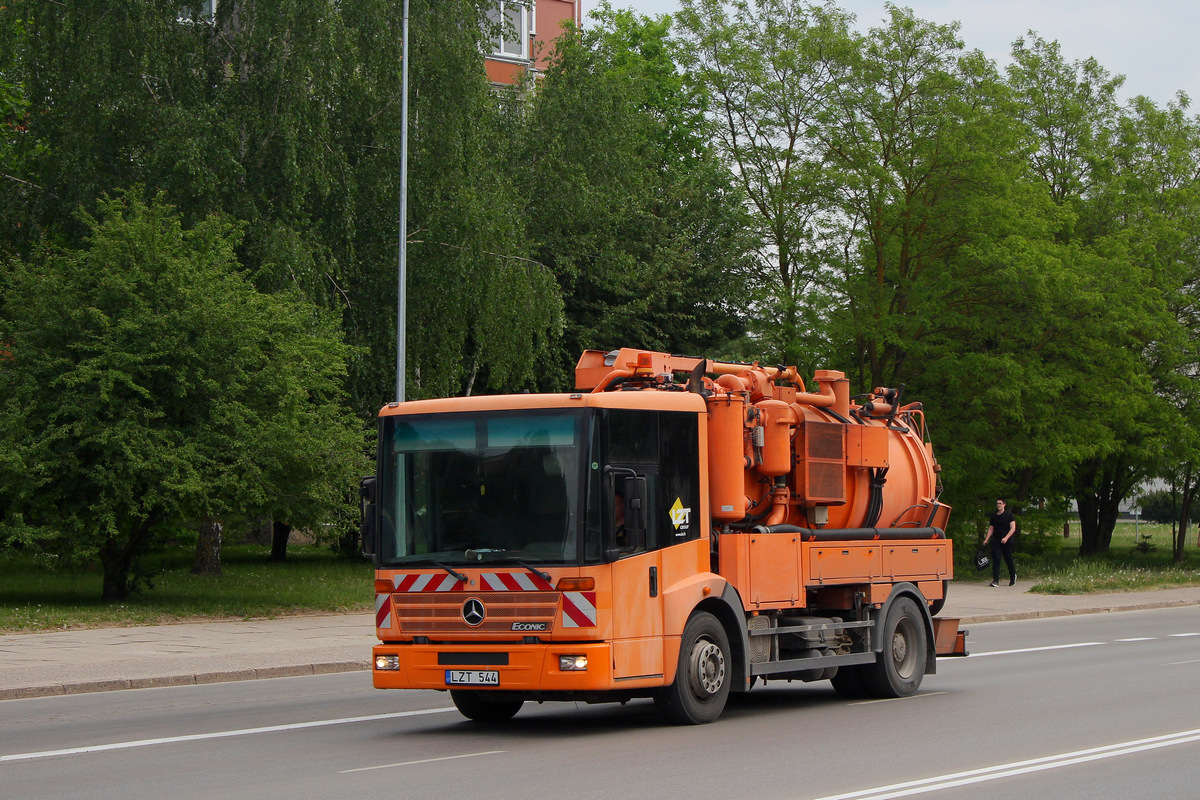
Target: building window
[(198, 10), (509, 28)]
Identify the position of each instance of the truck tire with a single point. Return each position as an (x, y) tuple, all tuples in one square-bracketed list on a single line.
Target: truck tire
[(898, 670), (480, 707), (848, 682), (702, 680)]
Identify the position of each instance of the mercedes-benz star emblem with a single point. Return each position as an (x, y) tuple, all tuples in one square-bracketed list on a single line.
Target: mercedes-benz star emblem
[(473, 612)]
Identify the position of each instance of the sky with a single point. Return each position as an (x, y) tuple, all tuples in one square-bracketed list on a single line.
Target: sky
[(1155, 44)]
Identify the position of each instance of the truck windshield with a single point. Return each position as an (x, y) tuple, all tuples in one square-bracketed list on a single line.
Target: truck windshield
[(469, 488)]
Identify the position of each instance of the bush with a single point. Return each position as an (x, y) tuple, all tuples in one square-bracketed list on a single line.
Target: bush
[(1039, 532), (1160, 506)]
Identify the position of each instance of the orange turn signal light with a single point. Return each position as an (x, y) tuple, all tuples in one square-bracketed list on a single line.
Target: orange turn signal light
[(383, 586), (575, 584)]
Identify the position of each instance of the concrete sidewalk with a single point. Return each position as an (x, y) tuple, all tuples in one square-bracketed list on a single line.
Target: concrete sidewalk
[(101, 659)]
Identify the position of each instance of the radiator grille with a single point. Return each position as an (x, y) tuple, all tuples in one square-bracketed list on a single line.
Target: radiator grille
[(821, 463), (825, 440), (825, 481), (440, 613)]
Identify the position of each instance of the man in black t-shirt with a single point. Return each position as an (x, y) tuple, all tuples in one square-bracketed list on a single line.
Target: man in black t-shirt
[(1002, 532)]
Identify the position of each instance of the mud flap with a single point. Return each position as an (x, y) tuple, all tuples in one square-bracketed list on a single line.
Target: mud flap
[(948, 640)]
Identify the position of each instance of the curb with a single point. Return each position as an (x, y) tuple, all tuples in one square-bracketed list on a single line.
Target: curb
[(85, 687), (1068, 612)]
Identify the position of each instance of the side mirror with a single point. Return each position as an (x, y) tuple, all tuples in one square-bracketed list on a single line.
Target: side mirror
[(635, 510), (629, 489), (368, 526)]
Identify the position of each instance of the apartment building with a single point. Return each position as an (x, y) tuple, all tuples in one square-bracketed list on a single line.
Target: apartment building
[(526, 39), (524, 44)]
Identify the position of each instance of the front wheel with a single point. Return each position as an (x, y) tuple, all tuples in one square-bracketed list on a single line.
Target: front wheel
[(702, 679), (481, 708), (901, 666)]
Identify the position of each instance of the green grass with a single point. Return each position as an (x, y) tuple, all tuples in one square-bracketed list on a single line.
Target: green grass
[(1088, 576), (1138, 559), (311, 580)]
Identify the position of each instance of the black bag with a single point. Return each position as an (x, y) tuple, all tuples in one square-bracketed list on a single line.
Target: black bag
[(982, 557)]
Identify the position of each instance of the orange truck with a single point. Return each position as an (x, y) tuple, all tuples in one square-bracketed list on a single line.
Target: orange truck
[(676, 528)]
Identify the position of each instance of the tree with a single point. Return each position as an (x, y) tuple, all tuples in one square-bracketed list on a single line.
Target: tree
[(151, 386), (927, 167), (953, 282), (481, 313), (112, 94), (625, 201), (1161, 506), (1154, 193), (905, 234), (284, 115), (1117, 174), (769, 70), (14, 117)]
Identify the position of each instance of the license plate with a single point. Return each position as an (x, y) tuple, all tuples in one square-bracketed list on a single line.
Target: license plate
[(473, 677)]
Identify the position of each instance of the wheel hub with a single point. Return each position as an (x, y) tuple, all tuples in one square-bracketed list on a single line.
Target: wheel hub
[(904, 657), (708, 668)]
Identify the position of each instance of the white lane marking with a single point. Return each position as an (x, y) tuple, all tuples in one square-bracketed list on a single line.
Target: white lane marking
[(1180, 663), (1035, 649), (894, 699), (969, 777), (1181, 635), (420, 761), (1138, 639), (196, 737)]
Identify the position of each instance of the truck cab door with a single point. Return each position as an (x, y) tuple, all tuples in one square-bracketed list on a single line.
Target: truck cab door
[(636, 579), (637, 616)]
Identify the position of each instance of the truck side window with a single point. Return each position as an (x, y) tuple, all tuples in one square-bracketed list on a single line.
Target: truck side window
[(632, 436), (679, 477), (663, 447)]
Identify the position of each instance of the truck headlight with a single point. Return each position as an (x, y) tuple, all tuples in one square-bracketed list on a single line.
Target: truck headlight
[(572, 663), (387, 662)]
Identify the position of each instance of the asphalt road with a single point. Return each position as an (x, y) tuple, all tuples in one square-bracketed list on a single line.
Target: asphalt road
[(1096, 706)]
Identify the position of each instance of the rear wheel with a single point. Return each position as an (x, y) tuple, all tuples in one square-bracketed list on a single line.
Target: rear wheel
[(848, 682), (482, 708), (901, 666), (702, 680)]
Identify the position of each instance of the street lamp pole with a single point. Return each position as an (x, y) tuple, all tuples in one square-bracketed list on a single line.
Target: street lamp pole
[(402, 280)]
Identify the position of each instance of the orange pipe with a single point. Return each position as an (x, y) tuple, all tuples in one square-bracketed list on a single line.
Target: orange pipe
[(779, 506), (823, 400), (733, 383), (610, 377)]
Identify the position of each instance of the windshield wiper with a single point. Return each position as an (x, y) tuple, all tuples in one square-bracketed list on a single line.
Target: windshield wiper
[(543, 575), (452, 571), (480, 553)]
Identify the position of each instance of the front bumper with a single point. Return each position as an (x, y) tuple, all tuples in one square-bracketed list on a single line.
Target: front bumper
[(531, 668)]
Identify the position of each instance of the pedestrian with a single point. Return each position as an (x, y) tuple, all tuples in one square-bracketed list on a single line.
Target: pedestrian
[(1002, 532)]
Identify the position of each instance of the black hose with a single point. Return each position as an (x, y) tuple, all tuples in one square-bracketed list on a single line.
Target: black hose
[(875, 502)]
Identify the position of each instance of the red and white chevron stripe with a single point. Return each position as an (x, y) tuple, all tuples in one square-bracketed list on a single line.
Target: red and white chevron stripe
[(429, 582), (513, 582), (579, 609), (383, 611)]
